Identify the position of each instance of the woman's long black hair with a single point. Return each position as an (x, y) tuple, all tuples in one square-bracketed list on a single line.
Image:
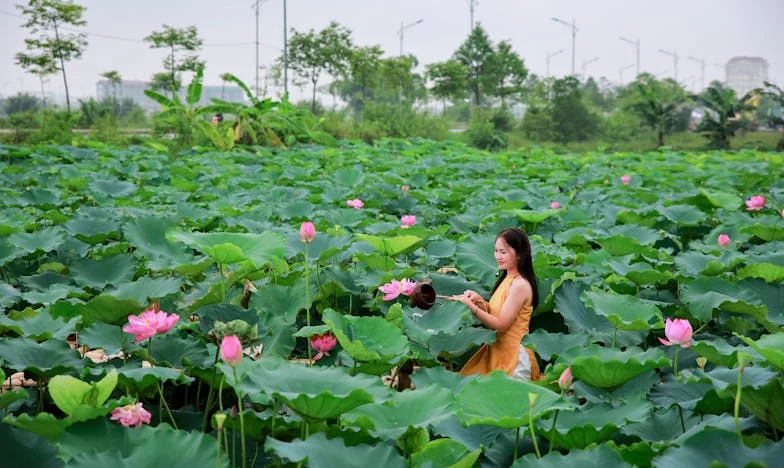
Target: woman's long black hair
[(518, 241)]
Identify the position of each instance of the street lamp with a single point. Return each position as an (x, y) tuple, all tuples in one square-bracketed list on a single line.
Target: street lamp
[(636, 44), (548, 60), (403, 29), (702, 70), (674, 55), (257, 6), (621, 70), (285, 52), (587, 62), (471, 5), (573, 26)]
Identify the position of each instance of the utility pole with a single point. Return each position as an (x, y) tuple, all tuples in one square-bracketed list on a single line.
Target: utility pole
[(285, 52), (587, 62), (471, 5), (702, 70), (674, 55), (621, 70), (636, 44), (573, 26), (549, 56), (257, 6), (402, 30)]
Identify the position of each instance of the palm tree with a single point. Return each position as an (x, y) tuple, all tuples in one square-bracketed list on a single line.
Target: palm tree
[(776, 94)]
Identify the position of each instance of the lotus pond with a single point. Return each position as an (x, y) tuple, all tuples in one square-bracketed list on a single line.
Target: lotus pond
[(622, 242)]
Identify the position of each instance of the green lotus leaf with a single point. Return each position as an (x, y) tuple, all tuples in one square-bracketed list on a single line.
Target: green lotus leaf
[(390, 246), (38, 360), (319, 452), (509, 408), (41, 326), (279, 340), (769, 272), (46, 240), (146, 289), (69, 392), (718, 351), (772, 295), (721, 199), (771, 347), (445, 452), (441, 249), (608, 368), (113, 188), (703, 295), (641, 272), (696, 264), (8, 397), (625, 312), (315, 393), (225, 313), (475, 258), (765, 232), (144, 378), (284, 301), (684, 215), (102, 336), (109, 309), (662, 425), (443, 344), (766, 402), (367, 338), (180, 352), (9, 252), (27, 449), (719, 448), (391, 419), (233, 247), (594, 423), (91, 230), (42, 424), (52, 294), (97, 445), (548, 345), (597, 456), (9, 295), (115, 270), (148, 235)]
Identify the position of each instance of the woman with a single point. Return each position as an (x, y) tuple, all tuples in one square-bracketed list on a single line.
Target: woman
[(514, 298)]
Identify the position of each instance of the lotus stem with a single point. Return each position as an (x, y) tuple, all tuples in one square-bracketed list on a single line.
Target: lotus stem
[(532, 400), (222, 282), (736, 411), (675, 361), (615, 335), (218, 453), (552, 432), (683, 425), (122, 345), (242, 419), (208, 404), (517, 440), (307, 297)]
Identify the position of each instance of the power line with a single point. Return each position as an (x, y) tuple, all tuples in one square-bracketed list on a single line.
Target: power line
[(141, 41)]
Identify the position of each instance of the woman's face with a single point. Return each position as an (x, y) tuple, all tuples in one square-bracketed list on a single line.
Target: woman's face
[(505, 256)]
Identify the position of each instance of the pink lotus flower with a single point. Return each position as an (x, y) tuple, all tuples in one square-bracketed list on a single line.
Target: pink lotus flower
[(565, 380), (555, 205), (723, 240), (625, 179), (391, 290), (678, 332), (307, 232), (404, 188), (149, 323), (323, 344), (231, 350), (782, 213), (407, 221), (131, 415), (755, 203), (407, 287), (355, 203)]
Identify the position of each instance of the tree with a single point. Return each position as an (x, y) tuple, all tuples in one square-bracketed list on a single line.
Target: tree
[(476, 54), (571, 118), (183, 45), (398, 80), (113, 77), (22, 102), (52, 46), (312, 54), (657, 103), (449, 80), (358, 85), (724, 116), (507, 72), (774, 96)]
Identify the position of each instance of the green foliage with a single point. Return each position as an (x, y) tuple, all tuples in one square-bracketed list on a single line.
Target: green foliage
[(449, 79), (182, 45), (476, 55), (657, 103), (52, 45), (488, 129), (21, 102), (724, 114)]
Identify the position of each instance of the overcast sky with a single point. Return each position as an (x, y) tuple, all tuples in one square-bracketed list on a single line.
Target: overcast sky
[(714, 30)]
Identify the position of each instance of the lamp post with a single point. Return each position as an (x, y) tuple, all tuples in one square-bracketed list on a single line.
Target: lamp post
[(588, 62), (702, 70), (620, 72), (285, 52), (549, 56), (471, 5), (674, 55), (402, 30), (257, 6), (573, 26), (636, 44)]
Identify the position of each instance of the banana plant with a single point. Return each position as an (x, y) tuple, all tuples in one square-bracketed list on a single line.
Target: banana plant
[(724, 118)]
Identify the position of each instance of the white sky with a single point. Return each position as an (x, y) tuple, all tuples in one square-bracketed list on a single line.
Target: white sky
[(714, 30)]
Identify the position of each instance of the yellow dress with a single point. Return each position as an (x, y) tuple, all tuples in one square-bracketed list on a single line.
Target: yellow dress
[(503, 354)]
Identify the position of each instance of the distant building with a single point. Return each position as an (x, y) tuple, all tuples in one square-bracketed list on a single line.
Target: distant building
[(746, 73), (135, 90)]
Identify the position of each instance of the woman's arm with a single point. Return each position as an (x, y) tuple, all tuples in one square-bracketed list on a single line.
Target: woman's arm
[(519, 293)]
